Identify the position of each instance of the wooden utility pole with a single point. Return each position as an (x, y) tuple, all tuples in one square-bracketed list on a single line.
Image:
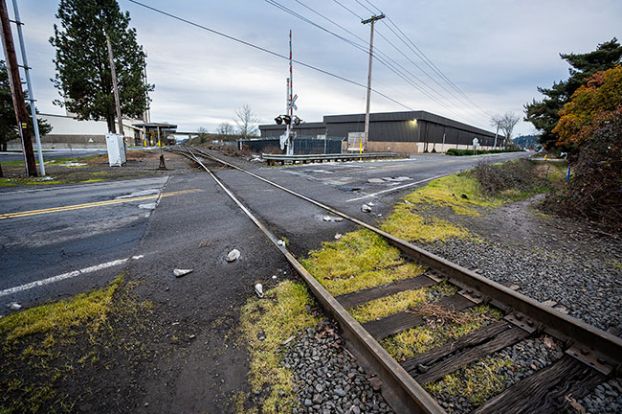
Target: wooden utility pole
[(371, 20), (19, 104), (115, 85)]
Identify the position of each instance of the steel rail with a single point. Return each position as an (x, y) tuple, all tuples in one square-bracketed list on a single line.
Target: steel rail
[(591, 345), (403, 393)]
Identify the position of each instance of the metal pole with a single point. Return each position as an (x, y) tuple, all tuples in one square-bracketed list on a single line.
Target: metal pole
[(290, 140), (371, 20), (31, 94), (115, 86), (15, 82)]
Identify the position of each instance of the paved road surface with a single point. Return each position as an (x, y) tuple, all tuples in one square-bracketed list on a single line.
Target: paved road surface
[(51, 243), (47, 243)]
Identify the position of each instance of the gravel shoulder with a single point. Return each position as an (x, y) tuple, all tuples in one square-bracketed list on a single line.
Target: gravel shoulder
[(547, 258)]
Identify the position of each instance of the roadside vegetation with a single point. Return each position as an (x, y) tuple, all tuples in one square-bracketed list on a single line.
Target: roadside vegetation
[(462, 152), (267, 324), (582, 117), (84, 170), (48, 349)]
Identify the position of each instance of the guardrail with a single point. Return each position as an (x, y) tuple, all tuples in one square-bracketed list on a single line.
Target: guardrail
[(272, 159)]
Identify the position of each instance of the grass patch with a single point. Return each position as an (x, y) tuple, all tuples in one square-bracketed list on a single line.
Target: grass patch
[(477, 382), (616, 264), (400, 302), (92, 180), (388, 305), (441, 327), (281, 314), (45, 347), (407, 225), (10, 182), (59, 317), (461, 192), (359, 260)]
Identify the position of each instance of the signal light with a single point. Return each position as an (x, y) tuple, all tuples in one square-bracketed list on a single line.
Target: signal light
[(287, 119), (278, 120)]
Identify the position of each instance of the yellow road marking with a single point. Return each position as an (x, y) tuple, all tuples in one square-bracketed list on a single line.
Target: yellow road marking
[(5, 216)]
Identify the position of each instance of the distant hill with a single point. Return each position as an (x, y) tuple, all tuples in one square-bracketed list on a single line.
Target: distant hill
[(527, 141)]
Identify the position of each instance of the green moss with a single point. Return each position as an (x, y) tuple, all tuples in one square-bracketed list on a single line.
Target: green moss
[(477, 382), (359, 260), (266, 324), (616, 264), (442, 329), (407, 225)]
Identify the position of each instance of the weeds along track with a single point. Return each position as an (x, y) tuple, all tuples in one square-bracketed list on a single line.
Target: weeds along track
[(457, 323)]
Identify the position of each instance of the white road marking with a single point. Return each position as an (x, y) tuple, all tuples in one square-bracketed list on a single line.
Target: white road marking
[(390, 190), (65, 276)]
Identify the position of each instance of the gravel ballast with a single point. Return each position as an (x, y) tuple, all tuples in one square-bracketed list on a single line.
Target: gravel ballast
[(328, 378)]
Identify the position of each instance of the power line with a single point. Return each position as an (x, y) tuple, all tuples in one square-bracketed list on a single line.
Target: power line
[(419, 53), (265, 50), (385, 59)]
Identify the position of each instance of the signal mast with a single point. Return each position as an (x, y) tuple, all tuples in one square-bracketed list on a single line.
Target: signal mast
[(289, 119)]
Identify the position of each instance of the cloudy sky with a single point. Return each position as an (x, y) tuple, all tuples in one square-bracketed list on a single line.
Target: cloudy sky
[(496, 51)]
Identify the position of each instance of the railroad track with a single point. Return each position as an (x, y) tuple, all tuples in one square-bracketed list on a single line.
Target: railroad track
[(590, 355)]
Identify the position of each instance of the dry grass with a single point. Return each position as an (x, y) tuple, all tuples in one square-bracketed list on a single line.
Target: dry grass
[(441, 327), (477, 382), (389, 305)]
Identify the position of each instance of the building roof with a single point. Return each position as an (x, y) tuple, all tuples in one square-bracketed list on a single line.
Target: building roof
[(403, 116)]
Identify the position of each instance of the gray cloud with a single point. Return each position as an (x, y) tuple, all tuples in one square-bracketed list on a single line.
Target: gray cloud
[(497, 51)]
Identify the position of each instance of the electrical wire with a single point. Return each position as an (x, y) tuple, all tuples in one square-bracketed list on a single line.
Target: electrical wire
[(265, 50)]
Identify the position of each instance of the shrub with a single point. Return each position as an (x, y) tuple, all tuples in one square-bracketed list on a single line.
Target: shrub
[(595, 190), (460, 152), (518, 176)]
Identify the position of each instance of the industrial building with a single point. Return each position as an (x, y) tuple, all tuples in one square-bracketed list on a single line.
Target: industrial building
[(407, 132)]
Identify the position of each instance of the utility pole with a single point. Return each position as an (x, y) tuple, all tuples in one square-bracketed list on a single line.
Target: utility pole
[(371, 20), (19, 104), (115, 86), (31, 94)]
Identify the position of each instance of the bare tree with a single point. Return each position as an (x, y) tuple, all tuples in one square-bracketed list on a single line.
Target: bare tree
[(225, 128), (203, 135), (505, 123), (246, 121)]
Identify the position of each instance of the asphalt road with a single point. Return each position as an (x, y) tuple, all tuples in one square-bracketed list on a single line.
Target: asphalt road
[(52, 243), (37, 242), (194, 226)]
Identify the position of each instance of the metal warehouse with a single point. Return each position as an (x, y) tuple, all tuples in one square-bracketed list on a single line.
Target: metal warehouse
[(404, 132)]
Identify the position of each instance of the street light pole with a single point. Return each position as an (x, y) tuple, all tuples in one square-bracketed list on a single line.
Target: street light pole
[(31, 94), (17, 93), (371, 20)]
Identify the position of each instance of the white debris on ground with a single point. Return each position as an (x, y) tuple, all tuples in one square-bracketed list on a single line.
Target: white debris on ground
[(366, 208), (181, 272), (338, 236), (281, 243), (148, 206), (332, 218), (14, 306), (259, 290), (233, 255)]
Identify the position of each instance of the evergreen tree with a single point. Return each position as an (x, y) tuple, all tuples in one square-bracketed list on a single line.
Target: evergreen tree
[(544, 114), (8, 123), (83, 71)]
